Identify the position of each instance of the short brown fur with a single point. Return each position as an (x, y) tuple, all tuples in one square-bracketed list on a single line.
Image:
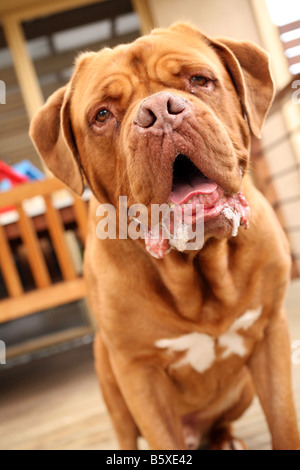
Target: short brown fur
[(137, 299)]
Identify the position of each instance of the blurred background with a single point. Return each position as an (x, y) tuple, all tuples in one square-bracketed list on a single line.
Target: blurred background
[(49, 397)]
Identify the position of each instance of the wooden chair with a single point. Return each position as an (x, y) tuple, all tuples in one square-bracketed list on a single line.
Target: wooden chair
[(18, 301)]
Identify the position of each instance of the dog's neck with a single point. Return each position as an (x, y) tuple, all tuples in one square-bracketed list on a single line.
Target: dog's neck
[(197, 278)]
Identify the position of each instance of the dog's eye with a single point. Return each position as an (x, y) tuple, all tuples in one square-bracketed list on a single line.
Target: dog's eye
[(199, 80), (103, 115)]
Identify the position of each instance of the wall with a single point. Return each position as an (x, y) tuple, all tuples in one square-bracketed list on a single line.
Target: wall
[(232, 18)]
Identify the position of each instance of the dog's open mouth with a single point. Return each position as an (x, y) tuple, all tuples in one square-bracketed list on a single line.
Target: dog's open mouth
[(191, 186), (195, 198)]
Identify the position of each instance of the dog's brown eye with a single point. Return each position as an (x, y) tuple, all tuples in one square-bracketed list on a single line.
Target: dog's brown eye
[(199, 81), (103, 115)]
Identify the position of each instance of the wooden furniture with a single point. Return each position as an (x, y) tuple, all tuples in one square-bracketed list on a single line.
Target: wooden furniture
[(57, 209), (291, 28)]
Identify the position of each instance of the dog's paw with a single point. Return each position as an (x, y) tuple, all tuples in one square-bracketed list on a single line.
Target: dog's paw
[(192, 438)]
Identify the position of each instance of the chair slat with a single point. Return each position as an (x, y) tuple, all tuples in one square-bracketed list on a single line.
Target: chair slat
[(35, 256), (56, 230), (9, 271), (290, 44), (30, 190), (294, 60), (289, 27)]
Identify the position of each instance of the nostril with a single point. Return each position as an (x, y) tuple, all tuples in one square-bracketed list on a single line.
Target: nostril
[(151, 118), (145, 117), (169, 107), (175, 105)]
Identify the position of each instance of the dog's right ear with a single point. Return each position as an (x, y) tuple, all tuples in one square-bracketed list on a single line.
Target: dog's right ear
[(51, 132)]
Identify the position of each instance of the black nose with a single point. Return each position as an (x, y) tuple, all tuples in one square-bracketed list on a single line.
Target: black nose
[(161, 109)]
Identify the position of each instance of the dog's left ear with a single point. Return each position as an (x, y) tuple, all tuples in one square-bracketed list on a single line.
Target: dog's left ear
[(249, 67), (52, 134)]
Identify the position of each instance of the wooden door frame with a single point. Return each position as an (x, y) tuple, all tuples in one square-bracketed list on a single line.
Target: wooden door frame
[(13, 14)]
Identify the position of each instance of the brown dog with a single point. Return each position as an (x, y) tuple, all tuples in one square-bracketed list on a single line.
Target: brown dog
[(183, 340)]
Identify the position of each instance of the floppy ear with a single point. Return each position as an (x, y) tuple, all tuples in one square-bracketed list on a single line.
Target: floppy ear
[(51, 133), (249, 66)]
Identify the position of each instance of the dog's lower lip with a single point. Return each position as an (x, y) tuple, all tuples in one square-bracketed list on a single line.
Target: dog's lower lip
[(201, 187), (203, 206), (206, 194), (207, 206)]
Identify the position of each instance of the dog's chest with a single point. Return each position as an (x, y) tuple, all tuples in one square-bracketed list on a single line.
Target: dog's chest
[(201, 351)]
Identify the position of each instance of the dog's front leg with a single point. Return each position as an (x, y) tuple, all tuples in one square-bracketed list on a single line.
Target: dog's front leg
[(270, 366), (148, 393)]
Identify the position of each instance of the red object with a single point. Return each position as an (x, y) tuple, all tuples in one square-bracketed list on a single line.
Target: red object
[(6, 172)]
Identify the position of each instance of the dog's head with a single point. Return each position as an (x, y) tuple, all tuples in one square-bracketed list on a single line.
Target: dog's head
[(165, 119)]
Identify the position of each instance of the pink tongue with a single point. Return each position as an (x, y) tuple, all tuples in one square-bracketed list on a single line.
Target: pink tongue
[(183, 191)]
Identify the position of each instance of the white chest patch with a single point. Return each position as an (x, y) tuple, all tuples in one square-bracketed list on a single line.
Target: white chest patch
[(231, 340), (200, 348)]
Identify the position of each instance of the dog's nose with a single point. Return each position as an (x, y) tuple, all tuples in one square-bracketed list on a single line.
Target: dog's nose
[(159, 110)]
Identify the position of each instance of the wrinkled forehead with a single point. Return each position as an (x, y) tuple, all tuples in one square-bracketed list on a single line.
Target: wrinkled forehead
[(110, 72)]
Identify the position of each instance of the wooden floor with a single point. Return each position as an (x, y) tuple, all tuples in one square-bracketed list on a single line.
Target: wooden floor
[(55, 403)]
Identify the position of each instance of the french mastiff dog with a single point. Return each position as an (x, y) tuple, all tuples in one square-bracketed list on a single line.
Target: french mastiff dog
[(185, 337)]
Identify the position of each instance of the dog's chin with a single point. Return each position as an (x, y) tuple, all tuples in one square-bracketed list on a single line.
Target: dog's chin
[(190, 235), (226, 225)]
